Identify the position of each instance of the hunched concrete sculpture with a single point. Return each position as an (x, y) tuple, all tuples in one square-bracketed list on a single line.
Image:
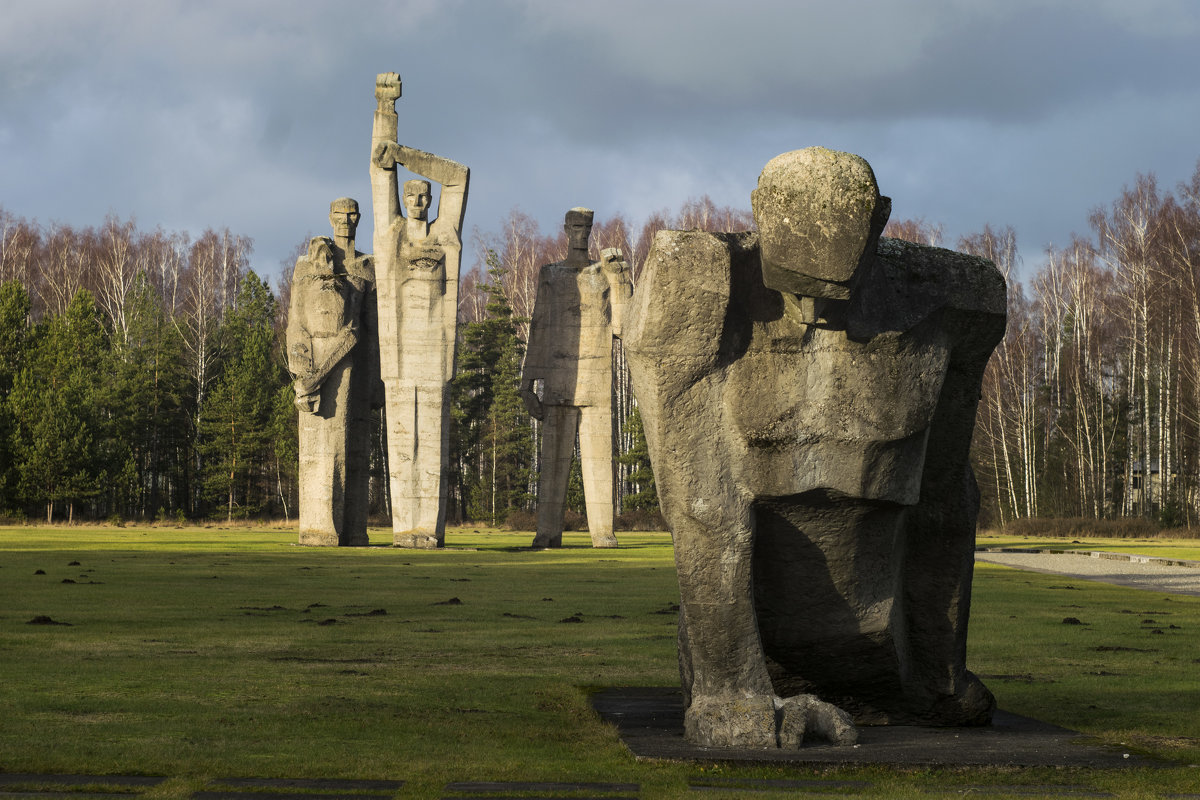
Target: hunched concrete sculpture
[(577, 312), (417, 265), (809, 393), (333, 355)]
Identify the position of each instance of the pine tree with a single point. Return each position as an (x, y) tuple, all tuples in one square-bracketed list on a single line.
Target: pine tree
[(150, 405), (491, 425), (235, 426), (60, 409), (14, 333), (641, 493)]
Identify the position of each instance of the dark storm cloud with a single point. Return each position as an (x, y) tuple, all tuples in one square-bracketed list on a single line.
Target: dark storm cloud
[(253, 115)]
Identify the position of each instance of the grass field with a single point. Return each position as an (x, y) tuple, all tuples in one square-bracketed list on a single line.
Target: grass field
[(1187, 549), (202, 653)]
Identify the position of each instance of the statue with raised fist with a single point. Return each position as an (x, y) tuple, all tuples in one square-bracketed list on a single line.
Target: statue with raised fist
[(417, 266)]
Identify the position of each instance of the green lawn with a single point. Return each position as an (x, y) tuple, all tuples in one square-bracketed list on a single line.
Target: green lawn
[(201, 653)]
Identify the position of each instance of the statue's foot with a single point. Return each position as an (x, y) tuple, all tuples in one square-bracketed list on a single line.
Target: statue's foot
[(604, 540), (357, 539), (315, 538), (416, 541), (805, 715), (542, 541), (972, 705), (765, 722)]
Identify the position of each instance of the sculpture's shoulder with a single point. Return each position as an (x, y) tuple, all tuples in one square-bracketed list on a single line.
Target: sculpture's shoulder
[(685, 263), (362, 266), (556, 278), (964, 282), (910, 282), (699, 248), (682, 296), (302, 268), (554, 271)]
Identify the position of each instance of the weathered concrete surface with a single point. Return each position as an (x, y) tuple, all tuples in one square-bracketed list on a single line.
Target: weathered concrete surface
[(810, 453), (578, 310), (417, 266), (333, 355)]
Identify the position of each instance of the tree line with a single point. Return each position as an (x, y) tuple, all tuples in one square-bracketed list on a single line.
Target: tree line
[(140, 376), (1091, 405), (142, 373)]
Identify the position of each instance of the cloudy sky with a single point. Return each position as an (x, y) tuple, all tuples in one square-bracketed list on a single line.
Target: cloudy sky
[(255, 114)]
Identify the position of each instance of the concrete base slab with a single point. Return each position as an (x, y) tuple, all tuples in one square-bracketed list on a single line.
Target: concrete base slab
[(650, 722)]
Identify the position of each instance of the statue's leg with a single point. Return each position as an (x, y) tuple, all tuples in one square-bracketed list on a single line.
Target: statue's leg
[(730, 690), (316, 483), (424, 515), (401, 415), (732, 701), (323, 461), (596, 461), (939, 564), (358, 455), (559, 424)]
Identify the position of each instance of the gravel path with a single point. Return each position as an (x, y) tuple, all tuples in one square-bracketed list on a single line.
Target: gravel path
[(1139, 572)]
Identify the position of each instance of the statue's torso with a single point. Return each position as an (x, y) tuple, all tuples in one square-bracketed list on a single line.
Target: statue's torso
[(824, 412), (416, 319), (571, 337)]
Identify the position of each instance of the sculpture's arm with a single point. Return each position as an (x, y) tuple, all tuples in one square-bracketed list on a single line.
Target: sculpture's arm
[(345, 340), (385, 198), (940, 529), (300, 354), (536, 356), (299, 341), (370, 333), (620, 287), (308, 395)]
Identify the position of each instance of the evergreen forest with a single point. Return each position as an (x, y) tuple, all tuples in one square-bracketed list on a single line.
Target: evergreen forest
[(142, 373)]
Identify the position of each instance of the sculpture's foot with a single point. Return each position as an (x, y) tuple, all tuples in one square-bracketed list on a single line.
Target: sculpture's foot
[(544, 540), (318, 538), (973, 705), (766, 722), (416, 541), (604, 540), (806, 716)]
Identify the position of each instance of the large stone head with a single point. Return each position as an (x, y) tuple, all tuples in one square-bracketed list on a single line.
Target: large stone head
[(418, 195), (578, 225), (819, 215), (344, 216)]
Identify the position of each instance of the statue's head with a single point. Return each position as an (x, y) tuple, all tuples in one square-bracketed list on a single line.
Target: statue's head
[(578, 225), (819, 215), (344, 216), (418, 195)]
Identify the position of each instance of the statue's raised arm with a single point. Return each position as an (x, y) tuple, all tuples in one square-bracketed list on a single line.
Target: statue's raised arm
[(385, 198)]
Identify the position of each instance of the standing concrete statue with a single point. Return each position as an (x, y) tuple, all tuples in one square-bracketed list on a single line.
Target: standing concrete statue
[(809, 394), (334, 357), (417, 264), (578, 311)]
